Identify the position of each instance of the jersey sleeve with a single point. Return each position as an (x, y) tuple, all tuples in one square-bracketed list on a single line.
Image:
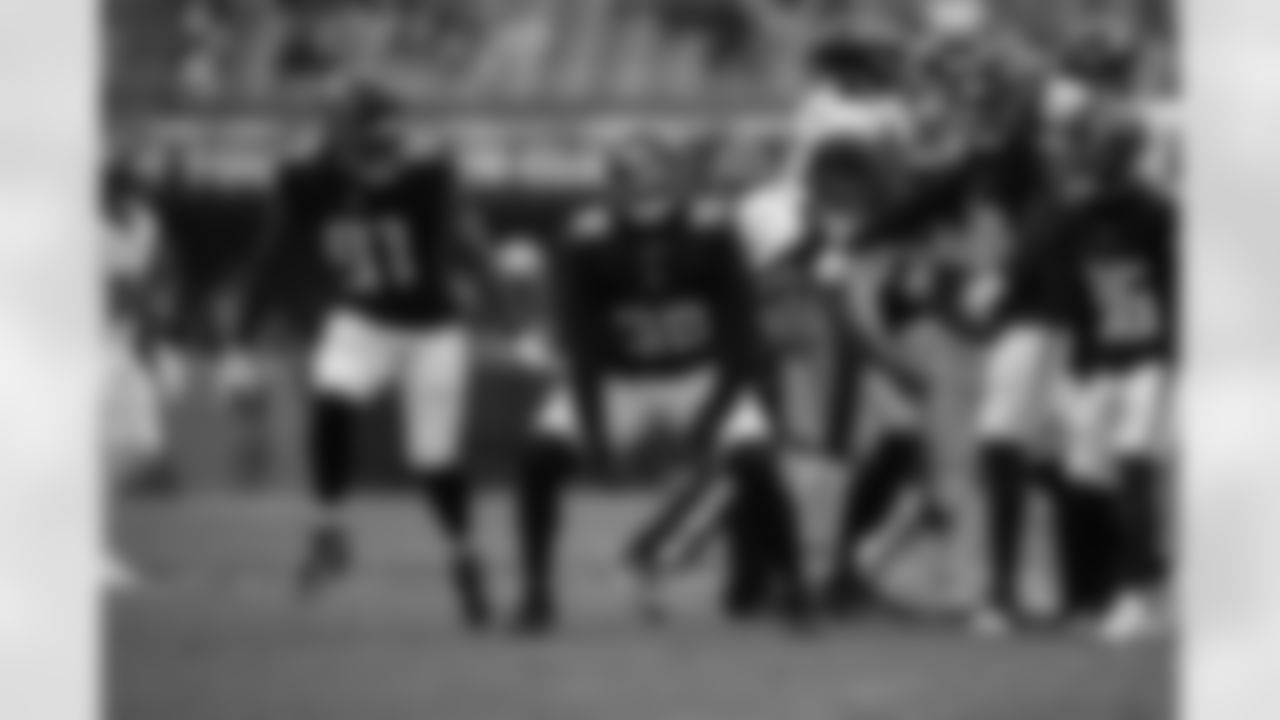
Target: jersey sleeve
[(291, 205), (737, 301), (1163, 248), (576, 304), (282, 242)]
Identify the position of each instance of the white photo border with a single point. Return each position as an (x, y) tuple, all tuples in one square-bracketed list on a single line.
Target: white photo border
[(49, 499), (50, 659)]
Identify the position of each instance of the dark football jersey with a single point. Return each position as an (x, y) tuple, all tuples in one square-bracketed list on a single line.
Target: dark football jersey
[(385, 242), (1117, 255), (657, 295)]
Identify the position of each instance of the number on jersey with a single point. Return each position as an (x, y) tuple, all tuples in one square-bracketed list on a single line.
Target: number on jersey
[(1126, 305), (373, 254), (665, 330)]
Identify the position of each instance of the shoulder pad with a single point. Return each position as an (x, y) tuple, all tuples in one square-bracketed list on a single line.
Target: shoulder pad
[(589, 225)]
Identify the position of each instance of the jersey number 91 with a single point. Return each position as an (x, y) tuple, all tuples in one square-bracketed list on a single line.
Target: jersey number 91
[(373, 255), (1127, 308)]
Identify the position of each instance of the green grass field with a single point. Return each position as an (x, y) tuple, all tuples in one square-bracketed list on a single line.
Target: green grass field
[(220, 636), (216, 634)]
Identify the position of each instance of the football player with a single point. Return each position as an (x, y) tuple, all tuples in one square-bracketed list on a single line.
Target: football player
[(391, 231), (656, 322), (814, 266), (1010, 302), (897, 277), (1121, 237)]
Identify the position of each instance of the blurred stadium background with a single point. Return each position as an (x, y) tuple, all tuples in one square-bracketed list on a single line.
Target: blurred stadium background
[(203, 98)]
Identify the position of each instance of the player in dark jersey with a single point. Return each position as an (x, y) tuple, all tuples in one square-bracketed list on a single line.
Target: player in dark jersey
[(898, 279), (388, 231), (1010, 301), (1122, 345), (847, 192), (656, 323)]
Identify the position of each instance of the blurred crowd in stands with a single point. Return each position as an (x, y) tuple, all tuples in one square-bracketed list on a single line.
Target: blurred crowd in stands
[(530, 50), (729, 74)]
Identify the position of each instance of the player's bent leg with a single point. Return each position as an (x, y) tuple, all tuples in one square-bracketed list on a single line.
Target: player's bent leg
[(1016, 385), (437, 372), (1090, 541), (547, 464), (765, 516), (766, 540), (667, 407), (548, 460), (1140, 446), (893, 467), (743, 439), (352, 363)]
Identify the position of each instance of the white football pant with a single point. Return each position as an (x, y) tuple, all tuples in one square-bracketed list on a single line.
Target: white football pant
[(429, 369)]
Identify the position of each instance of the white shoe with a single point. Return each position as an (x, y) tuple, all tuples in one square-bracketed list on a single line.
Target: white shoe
[(1129, 619), (991, 623)]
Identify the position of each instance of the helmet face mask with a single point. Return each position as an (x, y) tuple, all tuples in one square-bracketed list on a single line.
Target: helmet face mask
[(363, 130), (1094, 151), (844, 178), (645, 176)]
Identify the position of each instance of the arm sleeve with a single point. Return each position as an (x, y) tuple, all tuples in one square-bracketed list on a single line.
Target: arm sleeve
[(280, 240)]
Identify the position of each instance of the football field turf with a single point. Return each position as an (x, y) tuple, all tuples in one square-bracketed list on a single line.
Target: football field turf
[(217, 635)]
